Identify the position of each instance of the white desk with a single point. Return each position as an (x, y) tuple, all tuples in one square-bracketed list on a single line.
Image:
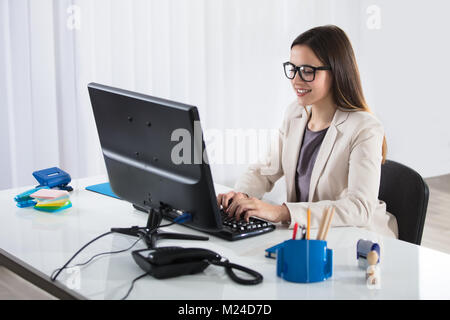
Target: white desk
[(46, 241)]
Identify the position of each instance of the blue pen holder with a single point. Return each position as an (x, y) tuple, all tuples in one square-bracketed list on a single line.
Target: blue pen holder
[(304, 261)]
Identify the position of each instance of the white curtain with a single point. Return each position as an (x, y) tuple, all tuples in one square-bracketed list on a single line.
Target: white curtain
[(223, 56)]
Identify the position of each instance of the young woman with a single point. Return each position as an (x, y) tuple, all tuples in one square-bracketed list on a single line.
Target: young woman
[(331, 147)]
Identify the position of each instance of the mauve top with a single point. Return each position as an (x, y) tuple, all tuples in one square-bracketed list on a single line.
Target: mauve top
[(312, 140)]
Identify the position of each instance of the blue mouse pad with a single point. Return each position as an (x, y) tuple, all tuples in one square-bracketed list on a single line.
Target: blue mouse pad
[(103, 188)]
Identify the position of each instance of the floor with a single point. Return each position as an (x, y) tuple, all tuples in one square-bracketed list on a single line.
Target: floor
[(436, 232), (436, 235), (13, 287)]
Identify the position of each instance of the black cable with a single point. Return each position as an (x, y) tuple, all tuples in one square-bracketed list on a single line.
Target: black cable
[(257, 277), (167, 225), (53, 278), (58, 271), (105, 253), (97, 255), (142, 233), (132, 285)]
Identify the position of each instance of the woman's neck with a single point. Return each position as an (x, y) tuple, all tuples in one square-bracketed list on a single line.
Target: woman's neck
[(322, 113)]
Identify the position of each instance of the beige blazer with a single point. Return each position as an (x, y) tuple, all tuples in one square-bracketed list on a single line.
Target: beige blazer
[(346, 173)]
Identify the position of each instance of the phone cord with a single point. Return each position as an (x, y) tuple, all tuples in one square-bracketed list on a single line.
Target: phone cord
[(257, 277)]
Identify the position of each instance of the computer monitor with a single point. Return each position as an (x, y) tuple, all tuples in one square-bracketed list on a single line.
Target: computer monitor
[(155, 154)]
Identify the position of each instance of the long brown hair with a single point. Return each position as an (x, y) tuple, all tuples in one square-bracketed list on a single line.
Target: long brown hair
[(333, 48)]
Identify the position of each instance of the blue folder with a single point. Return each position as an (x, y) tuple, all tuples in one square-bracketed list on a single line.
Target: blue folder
[(103, 188)]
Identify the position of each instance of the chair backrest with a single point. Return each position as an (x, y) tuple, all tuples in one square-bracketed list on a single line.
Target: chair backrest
[(406, 196)]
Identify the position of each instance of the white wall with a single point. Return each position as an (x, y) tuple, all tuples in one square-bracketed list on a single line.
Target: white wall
[(406, 79), (224, 56)]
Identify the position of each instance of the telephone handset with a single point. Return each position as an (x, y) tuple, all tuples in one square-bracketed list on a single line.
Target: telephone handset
[(168, 262), (169, 255)]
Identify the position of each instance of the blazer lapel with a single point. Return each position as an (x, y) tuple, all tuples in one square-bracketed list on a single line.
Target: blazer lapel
[(325, 150), (294, 139)]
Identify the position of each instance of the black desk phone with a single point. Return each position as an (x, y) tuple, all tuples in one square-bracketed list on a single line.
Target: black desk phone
[(168, 262)]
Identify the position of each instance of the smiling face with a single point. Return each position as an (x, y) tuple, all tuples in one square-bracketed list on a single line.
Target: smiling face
[(317, 91)]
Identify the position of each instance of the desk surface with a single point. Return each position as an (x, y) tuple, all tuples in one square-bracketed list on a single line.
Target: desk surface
[(46, 241)]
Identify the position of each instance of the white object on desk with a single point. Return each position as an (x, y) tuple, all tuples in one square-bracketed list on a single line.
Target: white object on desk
[(373, 273), (46, 241)]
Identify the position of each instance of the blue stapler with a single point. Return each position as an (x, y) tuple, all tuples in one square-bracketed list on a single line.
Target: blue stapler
[(53, 177)]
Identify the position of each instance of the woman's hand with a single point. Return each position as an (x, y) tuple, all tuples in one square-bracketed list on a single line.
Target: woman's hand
[(253, 207), (224, 199)]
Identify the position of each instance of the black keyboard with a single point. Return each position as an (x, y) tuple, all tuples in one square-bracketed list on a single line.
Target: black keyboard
[(236, 230)]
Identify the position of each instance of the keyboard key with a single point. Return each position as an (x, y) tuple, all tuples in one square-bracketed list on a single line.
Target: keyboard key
[(239, 229)]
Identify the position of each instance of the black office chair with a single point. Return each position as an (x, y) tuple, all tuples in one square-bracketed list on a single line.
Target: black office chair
[(406, 195)]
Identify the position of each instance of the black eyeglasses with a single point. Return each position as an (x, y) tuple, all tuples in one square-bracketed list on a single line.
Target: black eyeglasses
[(307, 73)]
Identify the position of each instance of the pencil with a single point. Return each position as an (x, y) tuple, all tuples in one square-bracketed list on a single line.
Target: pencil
[(322, 224), (330, 217), (308, 226), (295, 231)]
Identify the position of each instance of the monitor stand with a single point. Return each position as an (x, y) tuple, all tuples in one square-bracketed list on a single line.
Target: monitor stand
[(151, 234)]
